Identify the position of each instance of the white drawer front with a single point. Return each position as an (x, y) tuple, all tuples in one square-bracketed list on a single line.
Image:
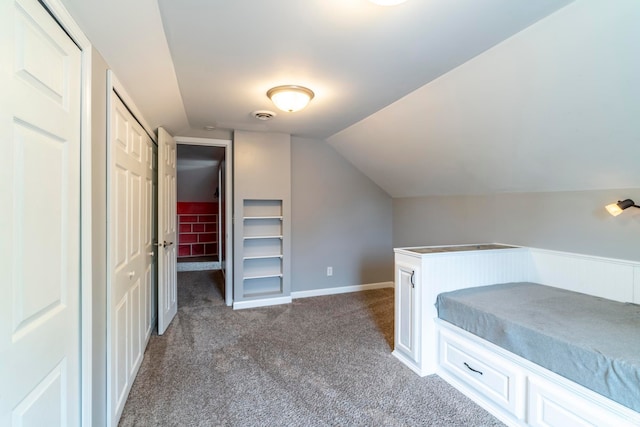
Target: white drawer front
[(487, 373), (553, 406)]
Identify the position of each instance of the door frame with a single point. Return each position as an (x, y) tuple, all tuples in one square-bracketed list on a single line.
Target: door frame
[(57, 10), (227, 144)]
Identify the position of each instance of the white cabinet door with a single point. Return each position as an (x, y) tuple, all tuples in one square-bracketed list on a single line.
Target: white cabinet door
[(406, 328), (40, 83), (167, 243)]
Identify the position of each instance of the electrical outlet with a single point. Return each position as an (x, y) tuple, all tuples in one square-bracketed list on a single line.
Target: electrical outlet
[(329, 271)]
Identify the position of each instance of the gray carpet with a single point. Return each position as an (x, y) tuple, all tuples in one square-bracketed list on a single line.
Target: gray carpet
[(323, 361)]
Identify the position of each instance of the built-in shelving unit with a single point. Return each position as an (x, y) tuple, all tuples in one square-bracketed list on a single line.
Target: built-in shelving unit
[(262, 273)]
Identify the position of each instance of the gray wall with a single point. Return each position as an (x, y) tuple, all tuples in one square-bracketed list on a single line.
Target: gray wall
[(261, 170), (261, 165), (572, 221), (340, 219), (196, 184), (99, 236)]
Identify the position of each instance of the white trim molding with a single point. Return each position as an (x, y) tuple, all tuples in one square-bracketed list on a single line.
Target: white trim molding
[(312, 293), (341, 290), (264, 302), (227, 144)]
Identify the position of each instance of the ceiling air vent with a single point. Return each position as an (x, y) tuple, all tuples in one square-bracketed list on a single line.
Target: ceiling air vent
[(263, 114)]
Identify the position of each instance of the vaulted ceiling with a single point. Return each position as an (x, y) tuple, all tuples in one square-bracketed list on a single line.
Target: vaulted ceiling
[(421, 97)]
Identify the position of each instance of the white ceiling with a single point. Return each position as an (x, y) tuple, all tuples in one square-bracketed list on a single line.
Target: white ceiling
[(554, 108), (356, 56), (129, 35), (220, 57), (199, 156), (429, 97)]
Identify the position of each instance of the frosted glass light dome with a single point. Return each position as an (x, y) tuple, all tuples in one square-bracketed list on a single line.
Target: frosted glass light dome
[(290, 98), (387, 2)]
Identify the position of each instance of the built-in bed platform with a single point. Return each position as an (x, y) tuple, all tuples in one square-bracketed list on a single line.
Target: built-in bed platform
[(532, 355), (592, 341)]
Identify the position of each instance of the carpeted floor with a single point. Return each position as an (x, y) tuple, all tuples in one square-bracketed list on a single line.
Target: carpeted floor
[(323, 361)]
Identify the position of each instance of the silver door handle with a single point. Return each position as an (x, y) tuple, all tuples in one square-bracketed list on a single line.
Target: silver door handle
[(152, 253), (131, 274), (413, 283)]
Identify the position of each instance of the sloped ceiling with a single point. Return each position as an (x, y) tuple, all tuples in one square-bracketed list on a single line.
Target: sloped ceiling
[(556, 107), (130, 37), (429, 97), (358, 57), (195, 63)]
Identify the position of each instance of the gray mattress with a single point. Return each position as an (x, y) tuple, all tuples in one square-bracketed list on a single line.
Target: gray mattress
[(592, 341)]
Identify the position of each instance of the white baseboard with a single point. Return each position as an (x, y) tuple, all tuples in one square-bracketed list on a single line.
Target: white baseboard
[(197, 266), (261, 302), (312, 293), (340, 290)]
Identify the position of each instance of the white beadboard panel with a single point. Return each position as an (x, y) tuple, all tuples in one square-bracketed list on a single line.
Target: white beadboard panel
[(478, 268), (603, 277), (442, 272)]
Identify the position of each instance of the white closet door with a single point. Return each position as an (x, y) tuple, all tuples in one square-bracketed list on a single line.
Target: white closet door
[(40, 83), (167, 258), (130, 252)]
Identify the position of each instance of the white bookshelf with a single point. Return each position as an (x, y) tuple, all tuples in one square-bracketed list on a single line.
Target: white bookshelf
[(262, 255)]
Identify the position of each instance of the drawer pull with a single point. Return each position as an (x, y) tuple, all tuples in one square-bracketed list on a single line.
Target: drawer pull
[(472, 370)]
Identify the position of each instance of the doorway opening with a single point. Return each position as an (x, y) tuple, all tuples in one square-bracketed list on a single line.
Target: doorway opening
[(203, 189), (198, 207)]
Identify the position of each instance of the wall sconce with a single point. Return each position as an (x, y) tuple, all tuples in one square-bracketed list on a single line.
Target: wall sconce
[(616, 209), (290, 98)]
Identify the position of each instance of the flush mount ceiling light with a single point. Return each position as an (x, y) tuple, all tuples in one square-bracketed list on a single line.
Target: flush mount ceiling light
[(616, 209), (387, 2), (290, 97)]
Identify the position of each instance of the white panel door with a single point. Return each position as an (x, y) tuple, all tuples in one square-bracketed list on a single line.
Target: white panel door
[(40, 87), (167, 276), (130, 252)]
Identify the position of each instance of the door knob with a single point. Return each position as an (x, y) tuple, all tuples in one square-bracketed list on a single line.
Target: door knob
[(152, 253), (131, 274)]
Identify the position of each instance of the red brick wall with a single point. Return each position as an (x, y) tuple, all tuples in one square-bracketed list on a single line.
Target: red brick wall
[(197, 228)]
